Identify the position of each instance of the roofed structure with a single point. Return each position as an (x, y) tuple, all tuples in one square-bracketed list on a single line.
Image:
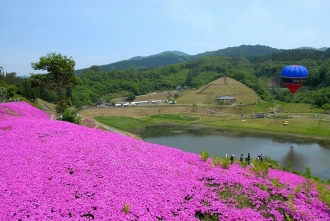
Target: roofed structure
[(225, 100)]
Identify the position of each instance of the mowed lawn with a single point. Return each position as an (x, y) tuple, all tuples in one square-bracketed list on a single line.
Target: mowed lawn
[(129, 123), (142, 111)]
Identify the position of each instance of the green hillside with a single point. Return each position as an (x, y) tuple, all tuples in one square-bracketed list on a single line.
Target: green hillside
[(241, 51), (261, 73), (262, 77), (138, 63), (220, 87), (206, 94), (173, 57)]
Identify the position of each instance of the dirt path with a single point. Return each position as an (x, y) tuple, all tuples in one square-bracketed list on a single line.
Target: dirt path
[(110, 128), (99, 124)]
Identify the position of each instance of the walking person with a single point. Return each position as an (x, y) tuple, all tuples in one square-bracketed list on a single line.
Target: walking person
[(241, 158)]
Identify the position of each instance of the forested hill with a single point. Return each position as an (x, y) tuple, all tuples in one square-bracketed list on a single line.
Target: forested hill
[(146, 62), (259, 72), (172, 57), (241, 51)]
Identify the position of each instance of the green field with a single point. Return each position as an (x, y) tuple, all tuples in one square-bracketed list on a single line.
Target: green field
[(196, 108), (299, 124)]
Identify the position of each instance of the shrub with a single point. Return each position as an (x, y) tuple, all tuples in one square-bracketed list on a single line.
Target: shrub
[(328, 181), (268, 159), (288, 166), (277, 184), (288, 217), (70, 115), (307, 186), (243, 163), (291, 205), (204, 155), (130, 97), (260, 168), (216, 160), (263, 186), (225, 163), (298, 173), (307, 172), (126, 208)]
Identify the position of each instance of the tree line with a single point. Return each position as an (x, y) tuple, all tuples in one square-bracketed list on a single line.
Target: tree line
[(262, 74)]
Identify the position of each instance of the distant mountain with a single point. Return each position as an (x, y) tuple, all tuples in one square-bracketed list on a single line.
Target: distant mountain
[(177, 53), (317, 49), (153, 61), (172, 57), (241, 51), (148, 62)]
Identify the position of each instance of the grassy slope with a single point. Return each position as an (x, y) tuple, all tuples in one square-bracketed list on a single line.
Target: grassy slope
[(48, 107), (207, 94)]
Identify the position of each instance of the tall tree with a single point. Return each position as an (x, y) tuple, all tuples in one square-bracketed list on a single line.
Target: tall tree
[(2, 76), (60, 75)]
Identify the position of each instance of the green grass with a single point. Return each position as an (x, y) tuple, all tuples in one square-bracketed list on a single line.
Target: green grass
[(122, 123), (173, 118), (129, 123), (267, 107), (297, 125), (303, 124), (300, 116), (298, 107), (235, 193), (324, 192)]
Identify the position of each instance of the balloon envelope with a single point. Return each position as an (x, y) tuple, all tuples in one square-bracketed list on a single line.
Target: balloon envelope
[(293, 76)]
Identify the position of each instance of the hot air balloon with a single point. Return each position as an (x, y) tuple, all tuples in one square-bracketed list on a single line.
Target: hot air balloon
[(293, 76)]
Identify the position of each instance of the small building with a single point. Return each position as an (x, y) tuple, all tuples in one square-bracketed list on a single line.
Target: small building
[(181, 88), (225, 100), (261, 115)]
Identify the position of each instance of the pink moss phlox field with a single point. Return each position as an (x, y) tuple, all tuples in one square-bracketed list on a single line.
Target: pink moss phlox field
[(53, 170), (21, 109)]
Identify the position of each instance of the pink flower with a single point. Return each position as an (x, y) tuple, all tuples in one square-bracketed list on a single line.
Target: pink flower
[(53, 170)]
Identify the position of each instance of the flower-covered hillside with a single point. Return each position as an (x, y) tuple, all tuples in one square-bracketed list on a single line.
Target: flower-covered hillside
[(53, 170), (22, 108)]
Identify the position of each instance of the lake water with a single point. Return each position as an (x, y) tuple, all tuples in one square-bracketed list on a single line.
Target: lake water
[(301, 152)]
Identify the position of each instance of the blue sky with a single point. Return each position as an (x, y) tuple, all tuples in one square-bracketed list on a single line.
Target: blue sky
[(98, 32)]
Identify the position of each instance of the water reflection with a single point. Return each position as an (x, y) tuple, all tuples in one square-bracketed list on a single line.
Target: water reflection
[(294, 157), (301, 152)]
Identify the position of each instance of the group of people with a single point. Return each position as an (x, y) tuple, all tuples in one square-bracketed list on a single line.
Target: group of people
[(247, 159)]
